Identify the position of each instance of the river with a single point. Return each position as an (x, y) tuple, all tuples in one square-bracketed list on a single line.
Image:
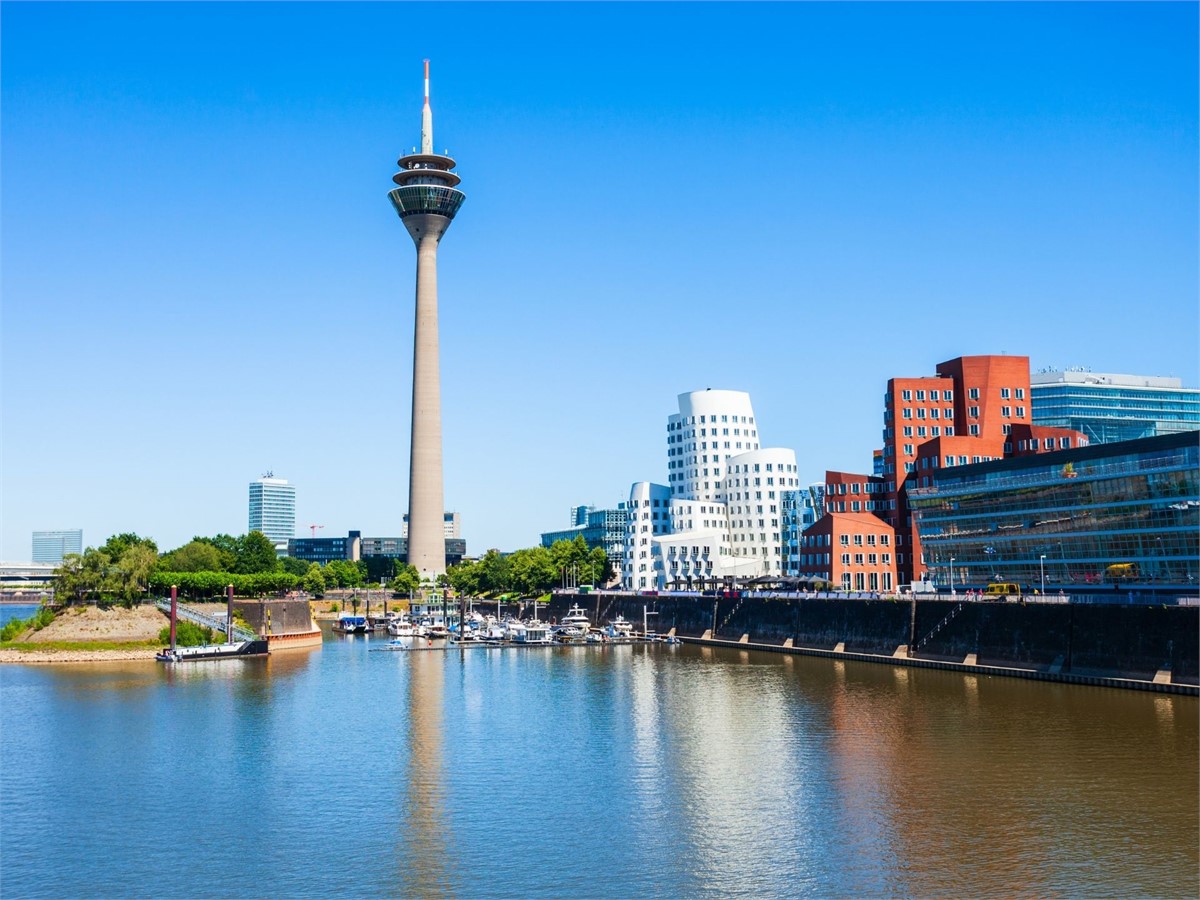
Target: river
[(626, 771)]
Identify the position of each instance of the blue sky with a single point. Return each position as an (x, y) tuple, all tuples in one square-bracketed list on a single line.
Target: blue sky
[(203, 279)]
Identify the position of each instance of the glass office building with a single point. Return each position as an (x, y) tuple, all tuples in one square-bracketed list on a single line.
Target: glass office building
[(599, 528), (1109, 408), (1120, 514), (51, 546), (273, 510)]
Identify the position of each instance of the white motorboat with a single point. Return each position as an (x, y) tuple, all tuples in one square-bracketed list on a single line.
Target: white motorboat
[(401, 627), (530, 633), (577, 618), (620, 627)]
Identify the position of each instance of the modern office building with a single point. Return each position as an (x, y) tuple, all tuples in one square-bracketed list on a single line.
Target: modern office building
[(380, 552), (273, 510), (604, 528), (974, 409), (451, 526), (426, 199), (324, 550), (721, 514), (801, 508), (1107, 407), (51, 546), (1113, 515)]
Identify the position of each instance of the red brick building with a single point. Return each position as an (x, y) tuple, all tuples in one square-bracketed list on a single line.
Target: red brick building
[(854, 551), (975, 409)]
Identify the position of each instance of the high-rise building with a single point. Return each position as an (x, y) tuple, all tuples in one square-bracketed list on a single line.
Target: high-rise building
[(51, 546), (721, 514), (273, 510), (1109, 408), (426, 200)]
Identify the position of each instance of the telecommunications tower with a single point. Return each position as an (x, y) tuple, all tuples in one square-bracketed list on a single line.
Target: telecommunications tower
[(426, 199)]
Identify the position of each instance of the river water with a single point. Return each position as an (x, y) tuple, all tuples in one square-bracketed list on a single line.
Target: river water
[(624, 771)]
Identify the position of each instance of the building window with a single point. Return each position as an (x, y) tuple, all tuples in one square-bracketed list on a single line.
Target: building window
[(1006, 411), (974, 431), (906, 413), (1005, 394), (906, 395), (973, 394), (921, 396), (1020, 412), (973, 412), (1020, 393)]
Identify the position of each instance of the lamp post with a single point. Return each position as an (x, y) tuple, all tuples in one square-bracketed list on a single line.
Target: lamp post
[(953, 593), (1042, 565)]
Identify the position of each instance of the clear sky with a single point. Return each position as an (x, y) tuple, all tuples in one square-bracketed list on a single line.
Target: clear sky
[(203, 278)]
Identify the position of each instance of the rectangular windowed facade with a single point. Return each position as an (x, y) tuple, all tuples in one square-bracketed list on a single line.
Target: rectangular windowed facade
[(273, 510), (51, 546), (1108, 516), (1109, 408)]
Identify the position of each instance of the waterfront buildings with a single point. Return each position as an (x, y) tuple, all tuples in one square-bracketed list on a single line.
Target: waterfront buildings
[(51, 546), (720, 515), (273, 510), (1107, 407), (974, 409), (603, 528), (426, 199), (323, 550), (1117, 514)]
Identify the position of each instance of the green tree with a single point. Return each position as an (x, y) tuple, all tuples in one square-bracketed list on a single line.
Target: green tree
[(116, 545), (195, 556), (256, 553), (494, 572), (68, 579), (464, 578), (227, 545), (532, 571), (405, 578), (314, 581), (294, 566), (133, 569)]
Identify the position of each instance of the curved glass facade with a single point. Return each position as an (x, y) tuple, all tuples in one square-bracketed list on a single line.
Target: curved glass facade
[(414, 199), (1118, 514)]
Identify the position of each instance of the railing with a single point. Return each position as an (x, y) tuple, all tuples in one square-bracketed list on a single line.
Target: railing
[(199, 618), (939, 626), (1053, 474)]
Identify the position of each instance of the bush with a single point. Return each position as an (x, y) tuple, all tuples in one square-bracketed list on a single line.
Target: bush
[(187, 634), (37, 622)]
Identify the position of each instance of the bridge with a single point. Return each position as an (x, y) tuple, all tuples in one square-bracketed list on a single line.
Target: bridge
[(204, 619)]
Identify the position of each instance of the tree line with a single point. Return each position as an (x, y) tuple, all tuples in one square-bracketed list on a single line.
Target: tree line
[(533, 570), (127, 567)]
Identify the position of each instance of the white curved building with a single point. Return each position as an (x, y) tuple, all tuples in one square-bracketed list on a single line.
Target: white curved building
[(710, 427), (722, 512)]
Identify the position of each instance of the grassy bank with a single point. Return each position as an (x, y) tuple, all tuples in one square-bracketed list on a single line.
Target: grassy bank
[(89, 646)]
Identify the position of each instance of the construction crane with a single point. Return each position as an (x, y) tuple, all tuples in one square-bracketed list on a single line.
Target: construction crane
[(314, 529)]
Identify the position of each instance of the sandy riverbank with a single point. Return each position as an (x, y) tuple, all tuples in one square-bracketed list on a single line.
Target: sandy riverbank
[(89, 624)]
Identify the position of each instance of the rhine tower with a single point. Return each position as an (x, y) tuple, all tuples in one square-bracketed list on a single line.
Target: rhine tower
[(426, 199)]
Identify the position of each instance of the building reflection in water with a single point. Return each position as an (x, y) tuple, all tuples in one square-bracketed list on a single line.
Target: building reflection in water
[(423, 848)]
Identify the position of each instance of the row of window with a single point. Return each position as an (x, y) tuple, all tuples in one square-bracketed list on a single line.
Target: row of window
[(947, 396)]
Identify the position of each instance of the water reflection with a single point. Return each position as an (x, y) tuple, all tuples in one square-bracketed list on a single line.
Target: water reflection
[(424, 845)]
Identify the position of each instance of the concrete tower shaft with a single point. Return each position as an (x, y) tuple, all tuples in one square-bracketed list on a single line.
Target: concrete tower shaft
[(426, 200)]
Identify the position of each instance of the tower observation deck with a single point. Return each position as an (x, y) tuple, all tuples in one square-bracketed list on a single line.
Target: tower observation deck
[(426, 199)]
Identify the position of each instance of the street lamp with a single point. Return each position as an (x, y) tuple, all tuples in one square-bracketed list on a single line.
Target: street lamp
[(952, 591), (1042, 564)]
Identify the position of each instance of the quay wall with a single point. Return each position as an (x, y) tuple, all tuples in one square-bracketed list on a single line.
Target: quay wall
[(1132, 642)]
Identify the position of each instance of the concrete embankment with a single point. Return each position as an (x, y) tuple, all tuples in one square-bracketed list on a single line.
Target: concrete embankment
[(1143, 647)]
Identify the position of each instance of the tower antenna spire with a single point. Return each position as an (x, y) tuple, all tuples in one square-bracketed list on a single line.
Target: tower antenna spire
[(426, 118)]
